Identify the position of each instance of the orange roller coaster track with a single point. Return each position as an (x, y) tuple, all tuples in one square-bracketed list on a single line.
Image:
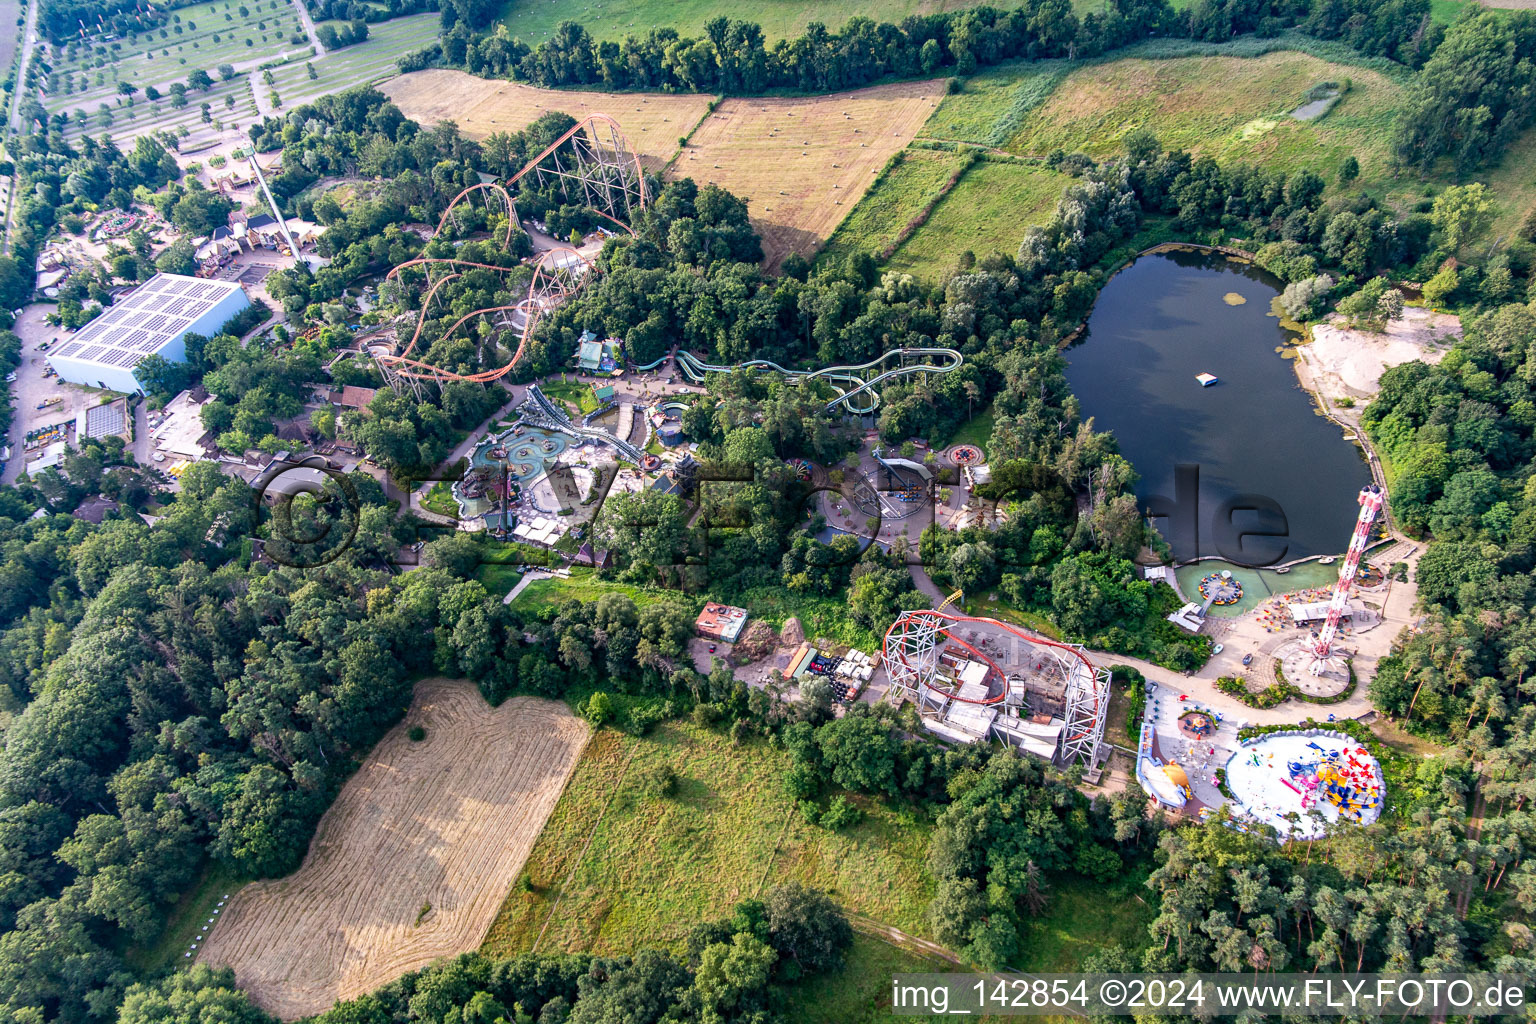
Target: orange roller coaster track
[(604, 175)]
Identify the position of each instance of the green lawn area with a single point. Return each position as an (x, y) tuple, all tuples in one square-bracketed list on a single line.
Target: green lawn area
[(986, 212), (1233, 108), (1083, 916), (86, 72), (819, 614), (440, 500), (579, 395), (372, 60), (991, 104), (656, 865), (888, 207), (185, 922), (977, 430), (495, 552), (1229, 100), (983, 604), (584, 585), (534, 20), (861, 992), (499, 564), (498, 580)]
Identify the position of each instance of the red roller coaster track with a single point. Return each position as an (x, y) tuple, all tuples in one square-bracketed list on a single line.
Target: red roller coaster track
[(611, 182), (911, 648)]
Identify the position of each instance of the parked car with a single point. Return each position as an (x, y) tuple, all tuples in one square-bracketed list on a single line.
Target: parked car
[(1247, 659), (10, 377), (711, 648), (1218, 648)]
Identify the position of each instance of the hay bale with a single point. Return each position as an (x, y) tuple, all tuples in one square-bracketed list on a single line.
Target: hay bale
[(793, 634)]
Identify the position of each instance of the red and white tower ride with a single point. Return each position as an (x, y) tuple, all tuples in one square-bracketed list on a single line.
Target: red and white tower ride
[(1371, 500)]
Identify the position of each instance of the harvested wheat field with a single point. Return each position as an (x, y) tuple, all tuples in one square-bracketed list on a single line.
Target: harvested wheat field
[(414, 858), (652, 122), (805, 163)]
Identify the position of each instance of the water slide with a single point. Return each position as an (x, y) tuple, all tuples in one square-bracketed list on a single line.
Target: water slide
[(554, 418), (846, 380)]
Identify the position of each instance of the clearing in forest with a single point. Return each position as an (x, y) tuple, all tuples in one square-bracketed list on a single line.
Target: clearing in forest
[(804, 163), (413, 859), (652, 122)]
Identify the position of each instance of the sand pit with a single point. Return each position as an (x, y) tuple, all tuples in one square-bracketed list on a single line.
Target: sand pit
[(1349, 363), (414, 858), (652, 122), (804, 164), (1317, 776)]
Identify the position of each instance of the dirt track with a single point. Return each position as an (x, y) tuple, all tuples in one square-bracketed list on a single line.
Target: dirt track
[(445, 823)]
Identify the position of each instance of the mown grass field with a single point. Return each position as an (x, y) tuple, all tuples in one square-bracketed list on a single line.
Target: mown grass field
[(977, 430), (583, 585), (10, 12), (1232, 101), (804, 164), (652, 122), (657, 865), (986, 212), (534, 21), (87, 72), (898, 197), (228, 102), (370, 61), (1232, 108), (990, 105)]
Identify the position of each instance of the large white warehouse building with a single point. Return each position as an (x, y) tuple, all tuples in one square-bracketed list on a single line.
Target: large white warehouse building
[(152, 320)]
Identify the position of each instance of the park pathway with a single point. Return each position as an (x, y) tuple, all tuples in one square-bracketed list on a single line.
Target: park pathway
[(309, 27), (13, 118)]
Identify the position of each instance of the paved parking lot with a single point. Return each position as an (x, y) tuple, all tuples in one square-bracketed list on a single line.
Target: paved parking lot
[(31, 387)]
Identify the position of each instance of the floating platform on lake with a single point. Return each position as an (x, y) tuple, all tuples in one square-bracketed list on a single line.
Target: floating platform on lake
[(1207, 379)]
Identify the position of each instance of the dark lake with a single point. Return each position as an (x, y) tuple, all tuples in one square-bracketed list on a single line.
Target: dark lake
[(1268, 462)]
